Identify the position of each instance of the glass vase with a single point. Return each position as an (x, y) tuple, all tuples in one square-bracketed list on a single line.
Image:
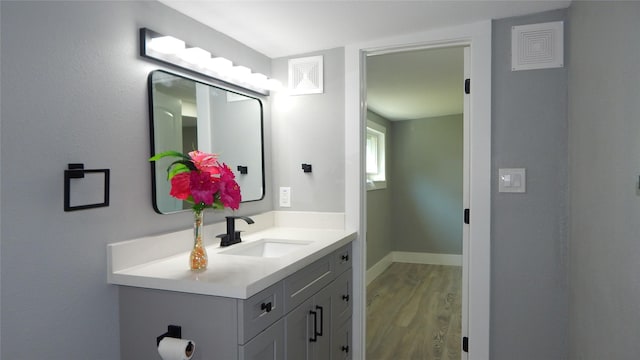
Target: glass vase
[(198, 258)]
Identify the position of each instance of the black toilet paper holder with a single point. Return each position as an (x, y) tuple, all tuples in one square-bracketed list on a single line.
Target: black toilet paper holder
[(173, 331)]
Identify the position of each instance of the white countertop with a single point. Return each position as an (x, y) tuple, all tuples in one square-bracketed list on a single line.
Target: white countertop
[(165, 266)]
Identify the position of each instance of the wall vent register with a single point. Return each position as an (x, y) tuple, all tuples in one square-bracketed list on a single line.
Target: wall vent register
[(537, 46)]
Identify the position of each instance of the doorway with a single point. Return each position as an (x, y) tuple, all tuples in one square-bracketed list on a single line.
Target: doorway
[(476, 282), (414, 212)]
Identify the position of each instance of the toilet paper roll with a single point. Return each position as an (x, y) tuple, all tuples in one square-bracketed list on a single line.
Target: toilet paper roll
[(176, 349)]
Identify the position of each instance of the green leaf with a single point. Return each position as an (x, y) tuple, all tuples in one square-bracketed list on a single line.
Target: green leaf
[(175, 169), (187, 163), (173, 153)]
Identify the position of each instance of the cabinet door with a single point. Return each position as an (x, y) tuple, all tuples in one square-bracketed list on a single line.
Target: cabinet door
[(298, 331), (342, 303), (321, 325), (268, 345), (308, 329), (341, 342)]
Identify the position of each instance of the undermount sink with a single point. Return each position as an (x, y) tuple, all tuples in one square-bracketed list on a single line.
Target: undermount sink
[(267, 248)]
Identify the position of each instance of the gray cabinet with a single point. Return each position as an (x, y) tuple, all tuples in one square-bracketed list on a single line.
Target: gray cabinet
[(259, 311), (305, 316), (308, 328), (318, 328), (341, 341), (268, 345)]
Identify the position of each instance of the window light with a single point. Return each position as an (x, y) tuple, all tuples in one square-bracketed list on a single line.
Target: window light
[(375, 156)]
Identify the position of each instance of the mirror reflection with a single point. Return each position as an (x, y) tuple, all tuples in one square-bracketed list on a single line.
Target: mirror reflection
[(188, 115)]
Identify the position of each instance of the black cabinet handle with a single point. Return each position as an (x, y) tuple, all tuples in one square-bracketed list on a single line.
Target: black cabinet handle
[(266, 306), (345, 257), (345, 349), (345, 298), (315, 326), (321, 320)]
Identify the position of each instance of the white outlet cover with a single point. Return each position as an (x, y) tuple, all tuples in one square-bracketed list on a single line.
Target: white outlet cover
[(285, 197), (512, 180)]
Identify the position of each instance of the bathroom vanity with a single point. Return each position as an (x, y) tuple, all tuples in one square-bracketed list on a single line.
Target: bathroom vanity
[(285, 292)]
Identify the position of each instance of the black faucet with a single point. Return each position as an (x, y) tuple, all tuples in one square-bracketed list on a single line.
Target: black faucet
[(232, 236)]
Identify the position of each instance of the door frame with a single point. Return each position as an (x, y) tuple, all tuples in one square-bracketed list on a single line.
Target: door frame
[(477, 250)]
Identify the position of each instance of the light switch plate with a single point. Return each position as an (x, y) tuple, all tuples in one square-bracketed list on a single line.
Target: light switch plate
[(512, 180), (285, 197)]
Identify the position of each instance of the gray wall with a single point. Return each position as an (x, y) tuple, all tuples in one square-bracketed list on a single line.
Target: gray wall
[(75, 90), (379, 206), (604, 149), (310, 129), (426, 162), (529, 240)]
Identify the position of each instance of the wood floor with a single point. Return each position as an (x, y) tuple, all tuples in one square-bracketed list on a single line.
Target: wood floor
[(414, 312)]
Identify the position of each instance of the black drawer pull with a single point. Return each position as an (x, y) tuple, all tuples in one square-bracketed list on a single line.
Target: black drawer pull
[(321, 320), (345, 349), (345, 257), (266, 306), (315, 326), (345, 298)]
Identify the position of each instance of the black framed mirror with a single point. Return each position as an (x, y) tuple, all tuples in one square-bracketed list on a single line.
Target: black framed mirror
[(186, 115)]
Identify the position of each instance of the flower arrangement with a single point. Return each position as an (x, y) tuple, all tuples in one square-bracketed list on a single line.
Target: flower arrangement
[(200, 179)]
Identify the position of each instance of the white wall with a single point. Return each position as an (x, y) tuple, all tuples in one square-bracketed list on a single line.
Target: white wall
[(427, 192), (529, 292), (310, 129), (379, 224), (74, 89), (604, 150)]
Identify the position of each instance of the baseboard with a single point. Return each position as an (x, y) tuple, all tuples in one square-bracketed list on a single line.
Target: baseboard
[(377, 269), (411, 257), (426, 258)]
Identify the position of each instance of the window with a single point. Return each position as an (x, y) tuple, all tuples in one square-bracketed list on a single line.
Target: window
[(375, 145)]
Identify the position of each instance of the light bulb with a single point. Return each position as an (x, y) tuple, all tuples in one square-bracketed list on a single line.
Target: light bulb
[(240, 73), (195, 55), (166, 45), (219, 65), (258, 80)]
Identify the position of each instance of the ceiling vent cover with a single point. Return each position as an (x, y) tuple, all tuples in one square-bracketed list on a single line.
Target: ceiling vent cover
[(305, 75), (537, 46)]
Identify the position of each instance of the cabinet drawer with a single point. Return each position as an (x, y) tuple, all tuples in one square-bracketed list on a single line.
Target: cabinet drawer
[(259, 311), (269, 345), (306, 282), (342, 305), (341, 342), (342, 259)]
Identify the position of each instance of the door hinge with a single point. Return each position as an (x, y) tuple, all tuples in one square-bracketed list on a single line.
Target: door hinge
[(465, 344), (466, 216), (467, 86)]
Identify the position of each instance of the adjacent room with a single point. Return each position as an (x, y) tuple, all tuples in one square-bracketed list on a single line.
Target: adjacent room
[(414, 152)]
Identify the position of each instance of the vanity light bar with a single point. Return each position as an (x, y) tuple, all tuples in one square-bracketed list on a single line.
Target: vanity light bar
[(176, 52)]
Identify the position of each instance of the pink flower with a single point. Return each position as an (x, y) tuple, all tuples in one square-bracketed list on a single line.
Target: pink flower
[(229, 188), (204, 161), (202, 186)]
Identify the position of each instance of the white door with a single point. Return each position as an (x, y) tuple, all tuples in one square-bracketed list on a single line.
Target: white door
[(466, 119)]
